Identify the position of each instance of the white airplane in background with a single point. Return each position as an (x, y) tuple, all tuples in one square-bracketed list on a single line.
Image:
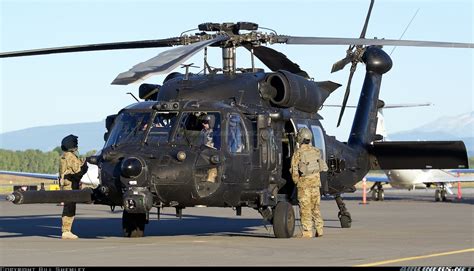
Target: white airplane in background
[(415, 178), (419, 178), (90, 178)]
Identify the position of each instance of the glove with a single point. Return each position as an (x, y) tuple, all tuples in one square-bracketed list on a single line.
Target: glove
[(84, 167)]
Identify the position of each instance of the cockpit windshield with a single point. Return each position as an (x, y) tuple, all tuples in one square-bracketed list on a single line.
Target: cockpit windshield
[(129, 127), (161, 127)]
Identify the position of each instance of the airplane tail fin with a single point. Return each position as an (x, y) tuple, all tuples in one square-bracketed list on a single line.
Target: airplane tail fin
[(381, 130)]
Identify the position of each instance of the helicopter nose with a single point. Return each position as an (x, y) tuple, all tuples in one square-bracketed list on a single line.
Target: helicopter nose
[(131, 167)]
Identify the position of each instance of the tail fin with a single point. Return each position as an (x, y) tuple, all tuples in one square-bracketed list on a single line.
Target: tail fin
[(365, 120)]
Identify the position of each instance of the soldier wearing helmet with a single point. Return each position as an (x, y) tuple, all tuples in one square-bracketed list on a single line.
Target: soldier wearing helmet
[(306, 164), (71, 170)]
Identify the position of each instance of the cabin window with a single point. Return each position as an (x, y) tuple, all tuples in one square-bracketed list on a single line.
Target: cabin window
[(236, 140), (200, 128), (318, 140)]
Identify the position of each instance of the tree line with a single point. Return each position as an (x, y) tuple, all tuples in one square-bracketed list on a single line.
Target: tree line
[(33, 160), (48, 162)]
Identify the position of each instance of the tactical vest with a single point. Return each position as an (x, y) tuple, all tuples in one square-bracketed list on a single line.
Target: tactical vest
[(309, 163)]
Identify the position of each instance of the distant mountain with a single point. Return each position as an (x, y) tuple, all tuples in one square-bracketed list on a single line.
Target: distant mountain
[(91, 134), (459, 127), (46, 138)]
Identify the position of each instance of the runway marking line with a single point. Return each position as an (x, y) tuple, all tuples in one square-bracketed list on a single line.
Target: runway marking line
[(416, 257)]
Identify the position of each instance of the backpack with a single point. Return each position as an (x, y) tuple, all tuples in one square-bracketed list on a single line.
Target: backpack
[(309, 163)]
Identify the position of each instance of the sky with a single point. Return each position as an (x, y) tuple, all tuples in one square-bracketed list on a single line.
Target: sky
[(75, 87)]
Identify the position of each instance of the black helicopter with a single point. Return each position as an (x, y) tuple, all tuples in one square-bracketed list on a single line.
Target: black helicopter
[(154, 155)]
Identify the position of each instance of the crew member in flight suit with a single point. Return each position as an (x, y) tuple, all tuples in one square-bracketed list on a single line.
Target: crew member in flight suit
[(206, 138), (306, 164), (71, 170)]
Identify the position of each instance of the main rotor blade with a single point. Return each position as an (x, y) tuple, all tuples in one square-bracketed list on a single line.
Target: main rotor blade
[(275, 60), (96, 47), (346, 95), (387, 106), (355, 41), (164, 62)]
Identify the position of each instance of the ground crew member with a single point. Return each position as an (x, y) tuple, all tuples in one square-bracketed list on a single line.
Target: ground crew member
[(306, 164), (71, 170)]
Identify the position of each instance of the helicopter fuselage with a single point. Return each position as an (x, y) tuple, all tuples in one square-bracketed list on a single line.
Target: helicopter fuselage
[(174, 165)]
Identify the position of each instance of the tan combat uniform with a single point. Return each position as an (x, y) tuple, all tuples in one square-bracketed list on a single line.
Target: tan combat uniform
[(71, 171), (307, 180)]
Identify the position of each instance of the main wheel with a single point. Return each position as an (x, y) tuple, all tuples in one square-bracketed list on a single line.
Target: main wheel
[(374, 195), (380, 195), (283, 220), (437, 195), (444, 195), (133, 225)]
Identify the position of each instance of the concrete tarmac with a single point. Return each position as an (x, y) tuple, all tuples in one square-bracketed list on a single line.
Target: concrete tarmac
[(407, 229)]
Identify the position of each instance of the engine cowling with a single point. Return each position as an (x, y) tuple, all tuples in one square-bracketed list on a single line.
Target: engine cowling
[(285, 89)]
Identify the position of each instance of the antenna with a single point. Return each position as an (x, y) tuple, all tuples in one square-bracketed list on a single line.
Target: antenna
[(133, 96), (405, 30)]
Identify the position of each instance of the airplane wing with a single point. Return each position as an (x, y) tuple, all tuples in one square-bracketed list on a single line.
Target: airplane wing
[(377, 178), (452, 176), (466, 170), (32, 175), (91, 177)]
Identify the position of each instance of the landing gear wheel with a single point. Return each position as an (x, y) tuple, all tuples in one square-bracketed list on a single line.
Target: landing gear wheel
[(133, 225), (374, 195), (444, 194), (437, 195), (283, 220), (346, 221), (344, 215), (380, 195)]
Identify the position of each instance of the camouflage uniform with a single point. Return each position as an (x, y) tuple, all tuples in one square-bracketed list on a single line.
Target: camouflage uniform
[(309, 189), (71, 170)]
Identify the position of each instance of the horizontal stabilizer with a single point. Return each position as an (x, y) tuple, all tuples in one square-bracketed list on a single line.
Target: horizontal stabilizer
[(328, 85), (418, 155)]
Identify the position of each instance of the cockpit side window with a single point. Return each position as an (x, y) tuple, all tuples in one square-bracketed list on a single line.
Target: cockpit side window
[(236, 140), (200, 128)]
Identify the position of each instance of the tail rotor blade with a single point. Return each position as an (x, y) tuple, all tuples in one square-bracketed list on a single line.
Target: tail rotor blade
[(339, 65), (367, 18), (346, 95)]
